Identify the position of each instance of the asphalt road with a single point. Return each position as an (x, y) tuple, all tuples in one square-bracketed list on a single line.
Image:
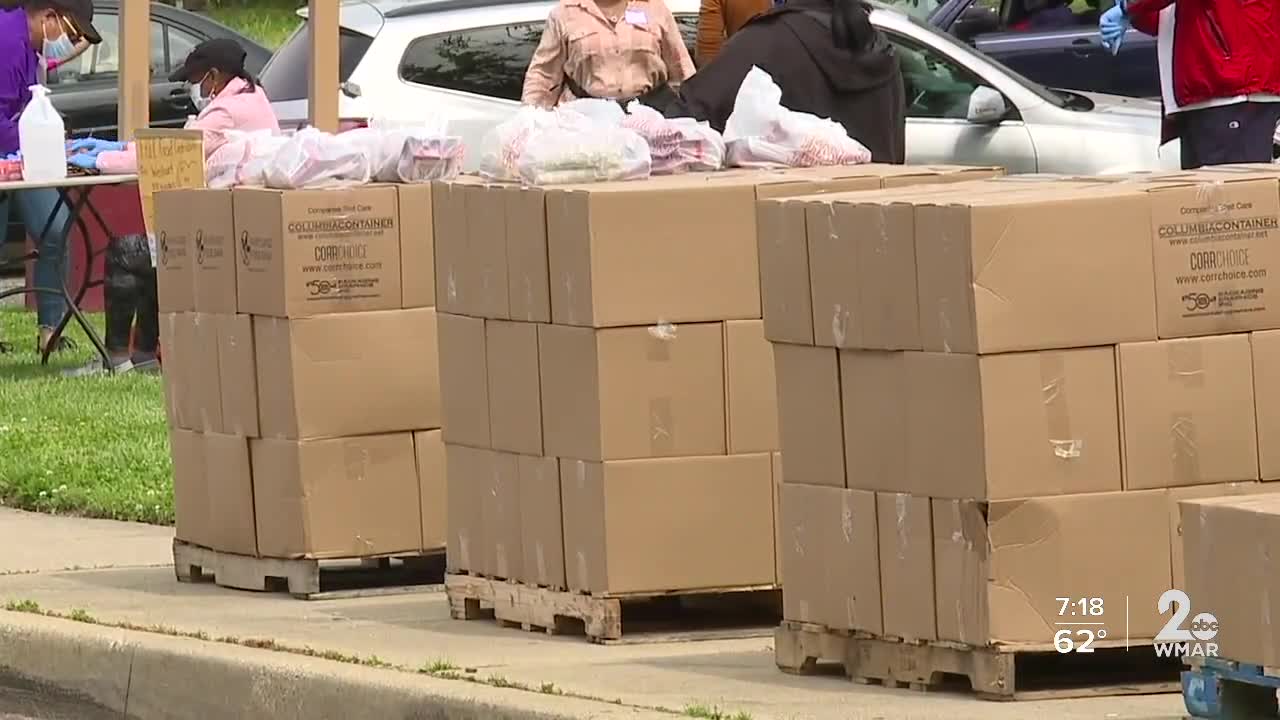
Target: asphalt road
[(22, 700)]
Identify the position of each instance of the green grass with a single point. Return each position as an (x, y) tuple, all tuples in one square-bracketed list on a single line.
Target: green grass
[(92, 446), (268, 21), (713, 713)]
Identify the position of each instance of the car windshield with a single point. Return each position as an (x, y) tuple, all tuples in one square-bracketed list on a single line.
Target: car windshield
[(285, 76), (956, 49)]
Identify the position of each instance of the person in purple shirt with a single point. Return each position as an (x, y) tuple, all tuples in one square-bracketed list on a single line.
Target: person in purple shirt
[(31, 30)]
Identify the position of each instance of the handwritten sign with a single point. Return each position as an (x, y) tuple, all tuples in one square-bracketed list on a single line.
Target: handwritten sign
[(167, 160)]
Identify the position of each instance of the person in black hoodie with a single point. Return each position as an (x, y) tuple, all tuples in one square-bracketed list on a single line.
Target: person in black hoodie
[(829, 60)]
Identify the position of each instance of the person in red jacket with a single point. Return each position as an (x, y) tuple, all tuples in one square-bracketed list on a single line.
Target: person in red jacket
[(1225, 73)]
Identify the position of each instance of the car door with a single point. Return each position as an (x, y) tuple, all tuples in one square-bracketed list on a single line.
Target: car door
[(86, 90), (938, 91)]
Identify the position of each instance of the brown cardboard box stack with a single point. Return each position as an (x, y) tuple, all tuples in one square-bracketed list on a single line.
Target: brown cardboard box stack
[(299, 344), (994, 396), (607, 389)]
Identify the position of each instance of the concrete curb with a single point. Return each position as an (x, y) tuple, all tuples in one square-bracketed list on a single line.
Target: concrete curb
[(149, 676)]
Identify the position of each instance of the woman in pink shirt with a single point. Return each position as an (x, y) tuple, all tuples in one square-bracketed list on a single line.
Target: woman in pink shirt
[(225, 94)]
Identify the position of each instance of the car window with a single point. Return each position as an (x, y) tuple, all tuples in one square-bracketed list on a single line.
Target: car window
[(1083, 14), (489, 61), (936, 86), (921, 9), (180, 46), (285, 76), (102, 61)]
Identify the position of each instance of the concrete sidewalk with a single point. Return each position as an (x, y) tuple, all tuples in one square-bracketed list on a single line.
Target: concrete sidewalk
[(415, 630)]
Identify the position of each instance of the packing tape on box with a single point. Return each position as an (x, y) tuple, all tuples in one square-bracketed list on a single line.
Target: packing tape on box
[(580, 557), (355, 462), (662, 429), (900, 512), (839, 314), (1057, 411), (1186, 370), (540, 554)]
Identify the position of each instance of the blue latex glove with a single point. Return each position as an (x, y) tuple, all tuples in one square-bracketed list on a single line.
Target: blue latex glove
[(94, 145), (85, 160), (1113, 24)]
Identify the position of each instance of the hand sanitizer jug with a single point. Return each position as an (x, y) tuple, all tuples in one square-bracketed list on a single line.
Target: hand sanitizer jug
[(42, 137)]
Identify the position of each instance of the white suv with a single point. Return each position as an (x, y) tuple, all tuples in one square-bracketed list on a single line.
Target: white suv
[(466, 59)]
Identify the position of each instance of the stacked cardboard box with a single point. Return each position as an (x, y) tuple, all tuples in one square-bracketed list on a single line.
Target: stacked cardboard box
[(993, 397), (300, 363), (606, 383)]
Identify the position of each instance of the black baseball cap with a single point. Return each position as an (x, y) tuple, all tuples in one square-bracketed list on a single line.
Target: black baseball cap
[(80, 14), (218, 54)]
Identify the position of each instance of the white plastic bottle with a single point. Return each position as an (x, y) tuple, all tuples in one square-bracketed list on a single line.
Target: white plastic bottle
[(42, 139)]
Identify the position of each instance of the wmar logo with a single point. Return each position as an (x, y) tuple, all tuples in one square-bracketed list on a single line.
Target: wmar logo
[(1199, 301), (245, 254), (163, 241), (325, 287), (199, 247)]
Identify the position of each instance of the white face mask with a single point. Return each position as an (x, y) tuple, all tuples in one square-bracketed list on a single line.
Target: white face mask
[(198, 97), (59, 47)]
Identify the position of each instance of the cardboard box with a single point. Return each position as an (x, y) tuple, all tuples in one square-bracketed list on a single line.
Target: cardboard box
[(429, 449), (831, 558), (174, 368), (469, 477), (313, 252), (1002, 272), (622, 393), (905, 539), (500, 520), (175, 256), (229, 486), (1217, 253), (337, 498), (777, 513), (668, 524), (515, 398), (464, 380), (1266, 400), (750, 388), (809, 420), (205, 379), (214, 247), (1001, 567), (1187, 412), (785, 298), (190, 488), (1175, 496), (417, 246), (862, 272), (542, 533), (674, 250), (347, 374), (471, 248), (1231, 571), (998, 426), (873, 399), (237, 375), (528, 279)]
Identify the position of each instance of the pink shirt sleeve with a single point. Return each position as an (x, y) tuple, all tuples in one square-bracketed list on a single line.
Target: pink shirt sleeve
[(214, 124)]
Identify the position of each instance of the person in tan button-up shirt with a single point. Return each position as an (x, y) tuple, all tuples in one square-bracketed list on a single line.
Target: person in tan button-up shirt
[(719, 19), (609, 49)]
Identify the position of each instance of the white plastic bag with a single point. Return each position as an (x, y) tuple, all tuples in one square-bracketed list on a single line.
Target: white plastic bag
[(312, 158), (501, 148), (409, 150), (574, 154), (676, 145), (761, 133), (242, 158)]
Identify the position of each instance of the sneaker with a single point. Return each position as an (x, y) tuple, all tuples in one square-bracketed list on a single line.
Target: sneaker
[(96, 367)]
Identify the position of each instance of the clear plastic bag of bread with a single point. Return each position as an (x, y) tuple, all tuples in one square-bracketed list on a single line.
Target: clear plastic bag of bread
[(242, 158), (410, 150), (578, 142), (676, 145), (312, 158), (761, 133)]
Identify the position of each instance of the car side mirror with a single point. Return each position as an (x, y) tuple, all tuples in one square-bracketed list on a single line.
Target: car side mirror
[(986, 106), (974, 21)]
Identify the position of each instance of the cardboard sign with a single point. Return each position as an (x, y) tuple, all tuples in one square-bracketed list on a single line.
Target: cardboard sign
[(167, 160)]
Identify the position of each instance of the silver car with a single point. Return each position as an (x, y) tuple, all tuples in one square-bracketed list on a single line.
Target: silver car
[(465, 59)]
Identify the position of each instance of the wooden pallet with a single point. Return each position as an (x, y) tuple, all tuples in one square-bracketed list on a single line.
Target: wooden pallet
[(310, 579), (1002, 672), (710, 614), (1225, 690)]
